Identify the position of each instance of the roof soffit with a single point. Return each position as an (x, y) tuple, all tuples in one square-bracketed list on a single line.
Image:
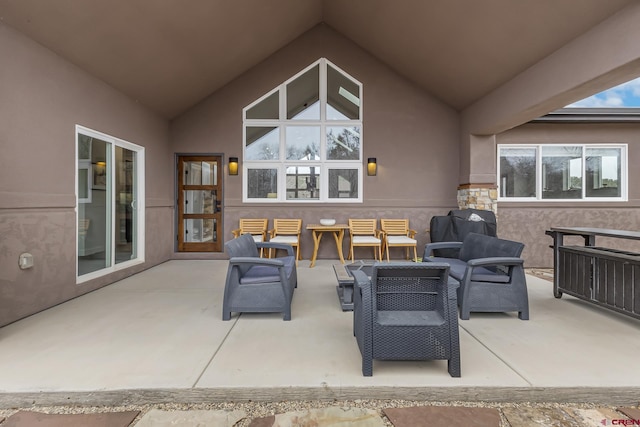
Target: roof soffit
[(169, 57)]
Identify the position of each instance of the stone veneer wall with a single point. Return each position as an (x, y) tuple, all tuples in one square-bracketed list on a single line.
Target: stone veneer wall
[(478, 196)]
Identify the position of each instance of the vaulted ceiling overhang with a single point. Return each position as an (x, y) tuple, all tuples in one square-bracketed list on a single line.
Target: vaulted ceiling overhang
[(170, 55)]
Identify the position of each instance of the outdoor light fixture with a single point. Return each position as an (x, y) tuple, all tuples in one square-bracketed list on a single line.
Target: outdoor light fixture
[(372, 166), (233, 166)]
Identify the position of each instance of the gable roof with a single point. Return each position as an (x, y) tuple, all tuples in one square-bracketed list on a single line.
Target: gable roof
[(169, 55)]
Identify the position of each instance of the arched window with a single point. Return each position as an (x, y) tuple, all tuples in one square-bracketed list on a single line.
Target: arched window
[(303, 140)]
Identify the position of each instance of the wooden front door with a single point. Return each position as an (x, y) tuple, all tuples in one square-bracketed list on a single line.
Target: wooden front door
[(199, 203)]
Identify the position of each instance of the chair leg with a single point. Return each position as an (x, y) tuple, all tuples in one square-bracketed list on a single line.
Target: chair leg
[(524, 314), (387, 250), (453, 366), (367, 366)]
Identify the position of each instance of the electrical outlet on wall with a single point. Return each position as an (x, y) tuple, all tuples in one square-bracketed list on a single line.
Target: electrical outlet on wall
[(25, 261)]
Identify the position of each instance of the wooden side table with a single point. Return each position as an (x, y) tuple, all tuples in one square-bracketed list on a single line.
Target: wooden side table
[(318, 230)]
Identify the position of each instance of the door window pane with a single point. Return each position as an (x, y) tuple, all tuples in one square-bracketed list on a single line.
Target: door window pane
[(262, 183), (262, 143), (199, 202), (343, 183), (200, 173), (200, 230), (517, 172), (343, 143)]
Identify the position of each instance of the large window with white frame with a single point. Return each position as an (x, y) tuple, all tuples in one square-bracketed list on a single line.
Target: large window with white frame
[(303, 140), (562, 172), (109, 204)]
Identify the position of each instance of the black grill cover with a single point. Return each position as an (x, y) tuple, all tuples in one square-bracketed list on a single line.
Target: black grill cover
[(460, 222)]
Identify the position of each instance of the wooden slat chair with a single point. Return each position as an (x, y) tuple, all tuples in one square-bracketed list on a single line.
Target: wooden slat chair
[(286, 231), (397, 233), (257, 227), (364, 232)]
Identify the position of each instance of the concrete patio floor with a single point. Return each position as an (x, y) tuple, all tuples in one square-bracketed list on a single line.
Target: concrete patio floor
[(158, 337)]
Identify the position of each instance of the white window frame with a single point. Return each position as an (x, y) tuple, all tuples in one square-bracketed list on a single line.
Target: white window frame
[(282, 123), (624, 174), (140, 202)]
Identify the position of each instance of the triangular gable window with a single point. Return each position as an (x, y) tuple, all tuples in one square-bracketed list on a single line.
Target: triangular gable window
[(303, 140)]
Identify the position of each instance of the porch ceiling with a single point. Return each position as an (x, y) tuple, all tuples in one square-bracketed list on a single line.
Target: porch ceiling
[(169, 55)]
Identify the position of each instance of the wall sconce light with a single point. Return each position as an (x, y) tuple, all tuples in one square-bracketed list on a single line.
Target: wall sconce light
[(372, 166), (233, 166)]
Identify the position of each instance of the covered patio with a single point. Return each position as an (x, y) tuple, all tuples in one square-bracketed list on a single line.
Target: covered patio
[(158, 337)]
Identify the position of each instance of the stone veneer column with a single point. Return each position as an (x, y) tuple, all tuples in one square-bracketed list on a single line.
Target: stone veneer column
[(478, 196)]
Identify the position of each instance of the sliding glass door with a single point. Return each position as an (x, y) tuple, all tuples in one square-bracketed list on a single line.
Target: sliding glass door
[(109, 203)]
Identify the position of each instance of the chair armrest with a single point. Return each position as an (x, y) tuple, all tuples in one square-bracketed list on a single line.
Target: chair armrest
[(362, 289), (240, 260), (273, 245), (429, 247), (271, 233), (380, 234), (495, 261), (236, 232), (452, 285), (360, 279), (412, 233)]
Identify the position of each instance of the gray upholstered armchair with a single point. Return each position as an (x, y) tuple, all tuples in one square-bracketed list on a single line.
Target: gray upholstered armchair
[(490, 271), (257, 284), (406, 311)]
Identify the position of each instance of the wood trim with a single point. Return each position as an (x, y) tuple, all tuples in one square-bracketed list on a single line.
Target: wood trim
[(490, 186)]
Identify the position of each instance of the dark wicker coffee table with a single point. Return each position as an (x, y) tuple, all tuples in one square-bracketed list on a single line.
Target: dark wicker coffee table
[(345, 281)]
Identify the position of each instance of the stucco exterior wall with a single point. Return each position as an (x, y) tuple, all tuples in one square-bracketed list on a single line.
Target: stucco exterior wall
[(414, 137), (42, 99), (528, 221)]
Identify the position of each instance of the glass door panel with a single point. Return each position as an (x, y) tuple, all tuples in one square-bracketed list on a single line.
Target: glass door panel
[(125, 213), (94, 204), (199, 205), (199, 201), (200, 230)]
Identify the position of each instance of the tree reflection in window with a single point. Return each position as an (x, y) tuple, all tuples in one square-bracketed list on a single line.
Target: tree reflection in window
[(343, 143)]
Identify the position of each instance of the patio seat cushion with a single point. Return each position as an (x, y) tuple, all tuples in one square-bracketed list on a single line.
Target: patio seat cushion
[(458, 267), (285, 239), (365, 239), (265, 274), (400, 240)]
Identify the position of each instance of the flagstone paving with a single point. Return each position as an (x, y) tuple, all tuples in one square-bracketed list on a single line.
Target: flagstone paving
[(479, 414)]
